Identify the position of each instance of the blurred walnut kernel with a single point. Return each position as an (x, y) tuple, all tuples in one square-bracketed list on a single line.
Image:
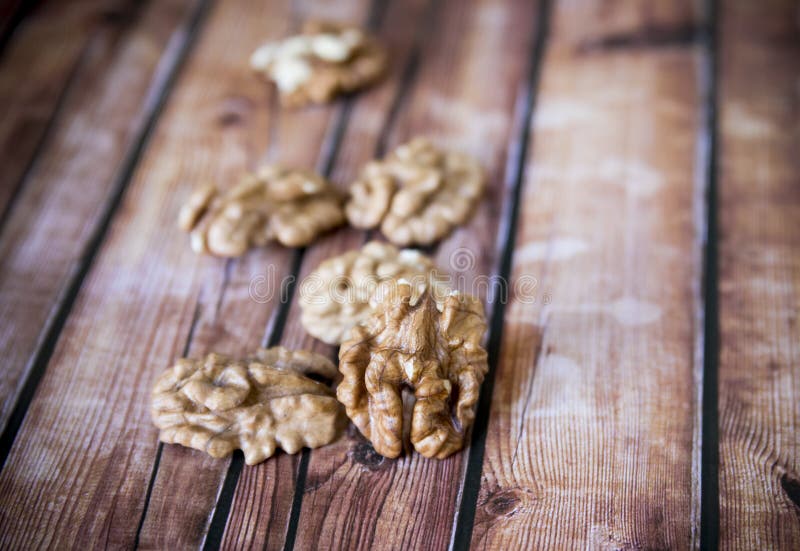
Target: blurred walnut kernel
[(218, 404), (435, 351), (335, 297), (289, 206), (326, 60), (417, 195)]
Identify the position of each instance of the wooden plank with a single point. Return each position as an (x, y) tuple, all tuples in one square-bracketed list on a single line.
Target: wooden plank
[(352, 497), (233, 320), (11, 14), (255, 521), (590, 439), (33, 78), (112, 93), (84, 455), (759, 268)]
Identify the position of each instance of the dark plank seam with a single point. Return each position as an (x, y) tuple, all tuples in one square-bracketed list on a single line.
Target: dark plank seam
[(19, 12), (407, 80), (157, 462), (274, 331), (709, 454), (518, 156), (55, 116), (63, 305), (128, 24), (273, 334)]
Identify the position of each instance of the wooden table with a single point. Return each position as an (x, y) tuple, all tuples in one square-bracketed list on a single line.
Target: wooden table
[(640, 234)]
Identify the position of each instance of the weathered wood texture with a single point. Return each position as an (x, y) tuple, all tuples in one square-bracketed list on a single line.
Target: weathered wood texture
[(11, 11), (352, 497), (32, 79), (85, 453), (236, 309), (759, 287), (592, 438), (589, 443), (264, 493), (116, 63)]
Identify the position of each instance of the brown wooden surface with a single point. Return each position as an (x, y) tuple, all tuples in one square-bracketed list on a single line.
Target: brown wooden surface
[(591, 425), (295, 138), (104, 67), (759, 219), (589, 442), (419, 495), (32, 79), (254, 520)]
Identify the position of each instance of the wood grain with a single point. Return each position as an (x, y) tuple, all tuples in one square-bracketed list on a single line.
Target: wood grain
[(112, 91), (593, 433), (238, 306), (34, 79), (81, 463), (353, 498), (255, 520), (589, 443), (759, 248)]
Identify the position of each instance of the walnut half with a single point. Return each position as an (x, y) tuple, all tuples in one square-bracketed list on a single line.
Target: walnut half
[(218, 404), (417, 195), (290, 206), (335, 296), (326, 60), (436, 353)]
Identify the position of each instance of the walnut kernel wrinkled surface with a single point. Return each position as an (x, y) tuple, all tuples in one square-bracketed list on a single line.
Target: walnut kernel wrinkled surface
[(326, 60), (417, 195), (335, 297), (218, 404), (437, 354), (289, 206)]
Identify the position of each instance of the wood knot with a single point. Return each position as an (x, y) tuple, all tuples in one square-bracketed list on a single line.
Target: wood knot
[(365, 454), (504, 503), (650, 36), (791, 485), (234, 110)]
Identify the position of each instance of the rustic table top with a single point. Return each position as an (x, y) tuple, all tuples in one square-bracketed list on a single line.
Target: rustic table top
[(638, 251)]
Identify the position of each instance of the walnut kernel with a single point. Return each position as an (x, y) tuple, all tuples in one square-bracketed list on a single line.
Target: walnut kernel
[(290, 206), (218, 404), (417, 195), (335, 297), (328, 59), (435, 352)]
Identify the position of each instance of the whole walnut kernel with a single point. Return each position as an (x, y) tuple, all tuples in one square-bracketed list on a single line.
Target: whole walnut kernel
[(218, 404), (436, 353), (326, 60), (417, 195), (289, 206), (335, 297)]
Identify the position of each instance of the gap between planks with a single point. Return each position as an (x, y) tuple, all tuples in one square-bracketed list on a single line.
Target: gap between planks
[(709, 386), (517, 159), (274, 331), (15, 12), (171, 65), (54, 118), (407, 80), (515, 169)]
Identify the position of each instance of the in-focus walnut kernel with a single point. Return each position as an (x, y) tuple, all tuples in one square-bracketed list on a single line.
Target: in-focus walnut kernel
[(435, 352), (326, 60), (335, 297), (218, 404), (417, 195), (286, 205)]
